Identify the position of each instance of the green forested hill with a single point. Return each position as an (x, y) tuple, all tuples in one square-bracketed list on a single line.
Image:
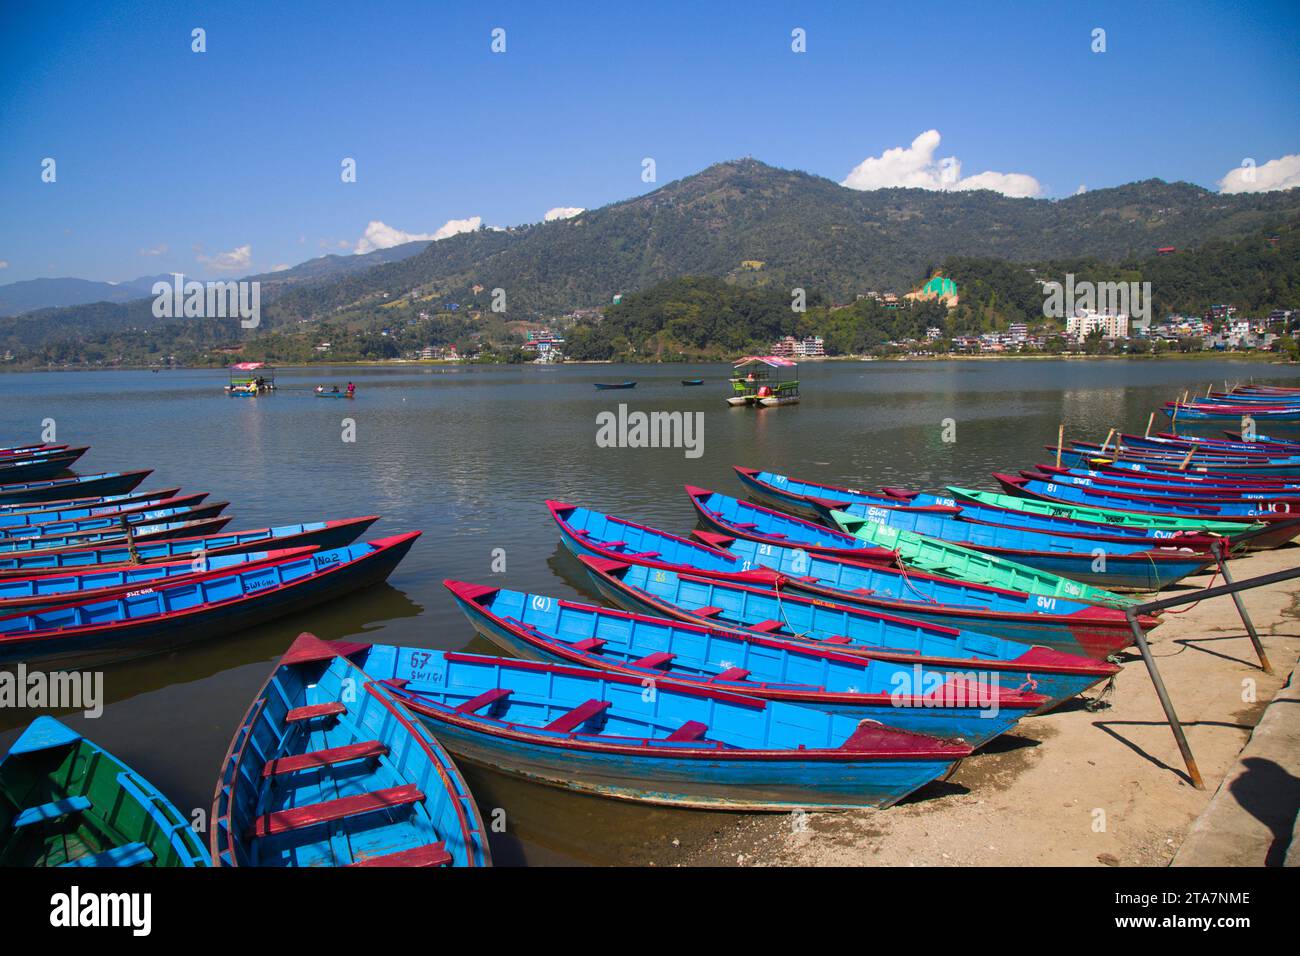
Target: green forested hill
[(757, 228)]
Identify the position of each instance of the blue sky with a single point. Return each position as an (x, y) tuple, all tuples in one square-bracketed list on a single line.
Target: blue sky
[(173, 160)]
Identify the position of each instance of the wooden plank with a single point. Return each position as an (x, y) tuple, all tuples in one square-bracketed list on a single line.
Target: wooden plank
[(313, 711), (691, 730), (485, 699), (431, 854), (575, 718), (283, 821), (324, 758)]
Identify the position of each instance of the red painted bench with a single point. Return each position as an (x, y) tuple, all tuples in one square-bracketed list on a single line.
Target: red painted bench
[(658, 659), (709, 611), (589, 644), (283, 821), (485, 699), (312, 711), (324, 758), (431, 854), (575, 718), (691, 730), (767, 627), (733, 673)]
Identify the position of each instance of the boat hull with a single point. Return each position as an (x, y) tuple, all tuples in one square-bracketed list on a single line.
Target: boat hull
[(106, 644)]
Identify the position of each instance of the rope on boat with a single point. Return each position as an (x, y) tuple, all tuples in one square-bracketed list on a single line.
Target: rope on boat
[(902, 567), (1094, 704), (780, 606), (1213, 577)]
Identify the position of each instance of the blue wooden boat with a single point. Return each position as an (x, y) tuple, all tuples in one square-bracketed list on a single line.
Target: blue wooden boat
[(105, 483), (1125, 567), (856, 630), (909, 697), (9, 450), (64, 801), (31, 547), (740, 519), (320, 534), (23, 508), (1197, 485), (1156, 504), (60, 511), (822, 500), (95, 583), (166, 616), (140, 518), (36, 467), (599, 732), (607, 386), (1084, 458), (327, 769), (1075, 627), (692, 381)]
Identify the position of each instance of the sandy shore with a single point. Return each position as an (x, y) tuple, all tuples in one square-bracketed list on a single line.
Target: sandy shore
[(1074, 787)]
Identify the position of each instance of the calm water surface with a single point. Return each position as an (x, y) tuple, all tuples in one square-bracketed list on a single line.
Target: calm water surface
[(468, 456)]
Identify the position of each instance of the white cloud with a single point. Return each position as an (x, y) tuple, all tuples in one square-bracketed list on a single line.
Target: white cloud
[(4, 263), (915, 166), (562, 212), (280, 268), (1276, 174), (157, 250), (232, 261), (1081, 190), (380, 235)]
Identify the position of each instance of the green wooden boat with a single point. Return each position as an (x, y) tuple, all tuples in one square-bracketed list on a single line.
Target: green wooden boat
[(1127, 519), (950, 560), (66, 802)]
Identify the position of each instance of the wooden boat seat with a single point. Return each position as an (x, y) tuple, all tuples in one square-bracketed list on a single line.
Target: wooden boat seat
[(571, 721), (733, 673), (658, 659), (709, 611), (51, 811), (485, 699), (431, 854), (324, 758), (767, 627), (283, 821), (130, 854), (616, 544), (745, 525), (645, 554), (589, 644), (314, 711), (689, 731), (837, 639)]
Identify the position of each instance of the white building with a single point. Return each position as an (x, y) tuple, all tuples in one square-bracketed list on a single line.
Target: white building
[(1112, 326)]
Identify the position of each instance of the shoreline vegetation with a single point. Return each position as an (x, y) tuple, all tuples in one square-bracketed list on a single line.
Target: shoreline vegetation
[(1249, 357)]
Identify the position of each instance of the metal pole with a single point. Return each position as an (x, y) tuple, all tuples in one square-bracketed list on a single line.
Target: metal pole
[(1218, 549), (1140, 640)]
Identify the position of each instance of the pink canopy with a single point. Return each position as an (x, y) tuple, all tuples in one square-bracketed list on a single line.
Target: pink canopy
[(248, 366), (773, 360)]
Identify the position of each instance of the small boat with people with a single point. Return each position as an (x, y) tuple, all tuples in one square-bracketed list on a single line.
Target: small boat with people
[(333, 391), (752, 381), (692, 381)]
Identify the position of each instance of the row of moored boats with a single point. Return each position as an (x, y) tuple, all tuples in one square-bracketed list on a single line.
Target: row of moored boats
[(830, 648)]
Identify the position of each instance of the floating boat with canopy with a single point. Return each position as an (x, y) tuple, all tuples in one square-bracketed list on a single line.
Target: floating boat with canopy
[(752, 381)]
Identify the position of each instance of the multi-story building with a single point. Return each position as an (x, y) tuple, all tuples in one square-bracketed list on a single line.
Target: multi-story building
[(1113, 326)]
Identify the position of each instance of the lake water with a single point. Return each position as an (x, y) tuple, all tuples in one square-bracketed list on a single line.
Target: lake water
[(468, 455)]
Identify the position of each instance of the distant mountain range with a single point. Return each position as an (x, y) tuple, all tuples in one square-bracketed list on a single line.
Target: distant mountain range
[(748, 223), (33, 294), (757, 225)]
